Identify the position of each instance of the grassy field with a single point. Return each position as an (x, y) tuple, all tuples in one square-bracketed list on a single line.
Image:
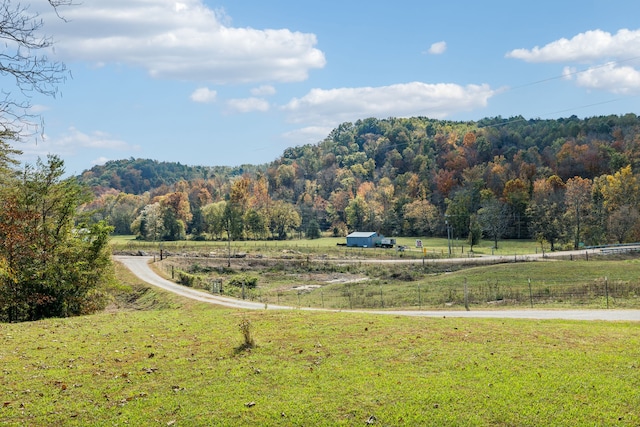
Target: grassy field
[(600, 282), (155, 359), (436, 247)]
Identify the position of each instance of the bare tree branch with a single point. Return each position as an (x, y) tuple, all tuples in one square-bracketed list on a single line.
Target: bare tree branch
[(23, 58)]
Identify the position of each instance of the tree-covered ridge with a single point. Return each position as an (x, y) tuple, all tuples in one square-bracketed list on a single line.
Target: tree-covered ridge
[(567, 180), (136, 176)]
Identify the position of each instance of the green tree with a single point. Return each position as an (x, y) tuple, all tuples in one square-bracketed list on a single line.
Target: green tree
[(492, 217), (7, 161), (356, 213), (577, 198), (458, 213), (54, 264), (283, 219), (232, 222), (546, 210), (420, 218), (176, 214), (213, 214), (475, 232), (313, 230), (150, 224), (255, 223), (622, 223), (122, 211), (596, 225), (174, 228), (516, 196)]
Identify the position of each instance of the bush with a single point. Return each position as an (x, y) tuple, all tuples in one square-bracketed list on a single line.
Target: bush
[(197, 268), (187, 279), (248, 281), (246, 329)]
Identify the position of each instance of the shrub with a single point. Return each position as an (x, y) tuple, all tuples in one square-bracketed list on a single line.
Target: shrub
[(248, 281), (246, 329), (187, 279)]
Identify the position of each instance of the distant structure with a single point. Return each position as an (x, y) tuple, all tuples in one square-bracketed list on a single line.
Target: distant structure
[(364, 239)]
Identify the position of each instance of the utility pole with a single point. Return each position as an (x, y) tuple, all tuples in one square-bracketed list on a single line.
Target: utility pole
[(449, 236)]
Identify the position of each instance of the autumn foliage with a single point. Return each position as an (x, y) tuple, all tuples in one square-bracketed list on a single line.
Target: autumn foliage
[(567, 181)]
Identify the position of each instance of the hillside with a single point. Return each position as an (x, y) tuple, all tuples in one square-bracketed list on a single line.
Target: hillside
[(136, 176), (403, 175)]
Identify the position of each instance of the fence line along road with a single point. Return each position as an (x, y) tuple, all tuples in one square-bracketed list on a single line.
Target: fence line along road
[(139, 266)]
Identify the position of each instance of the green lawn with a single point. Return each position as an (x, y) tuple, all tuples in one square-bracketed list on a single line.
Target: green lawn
[(435, 247), (180, 363)]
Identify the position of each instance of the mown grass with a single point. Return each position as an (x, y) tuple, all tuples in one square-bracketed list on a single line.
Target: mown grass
[(435, 247), (183, 364)]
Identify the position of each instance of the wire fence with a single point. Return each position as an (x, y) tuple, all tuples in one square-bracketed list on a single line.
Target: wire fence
[(598, 292)]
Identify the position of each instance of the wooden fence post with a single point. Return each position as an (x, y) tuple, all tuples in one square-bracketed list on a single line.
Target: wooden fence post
[(466, 295)]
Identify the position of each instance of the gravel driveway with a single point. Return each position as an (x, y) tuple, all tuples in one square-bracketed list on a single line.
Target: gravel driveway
[(139, 266)]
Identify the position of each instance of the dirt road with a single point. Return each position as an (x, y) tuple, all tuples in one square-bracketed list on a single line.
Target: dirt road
[(139, 266)]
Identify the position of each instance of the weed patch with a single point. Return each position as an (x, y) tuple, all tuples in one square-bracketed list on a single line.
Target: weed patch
[(246, 329)]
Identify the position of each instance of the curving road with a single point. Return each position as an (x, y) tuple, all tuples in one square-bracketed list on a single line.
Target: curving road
[(139, 266)]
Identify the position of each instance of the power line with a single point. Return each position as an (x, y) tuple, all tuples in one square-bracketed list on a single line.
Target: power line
[(574, 73)]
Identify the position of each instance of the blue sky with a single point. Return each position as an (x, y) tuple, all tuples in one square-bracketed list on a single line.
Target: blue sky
[(208, 82)]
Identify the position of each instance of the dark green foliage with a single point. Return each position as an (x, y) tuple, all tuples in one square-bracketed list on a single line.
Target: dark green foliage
[(248, 281), (197, 225), (173, 228), (492, 218), (197, 268), (187, 279), (51, 264), (475, 232), (313, 230)]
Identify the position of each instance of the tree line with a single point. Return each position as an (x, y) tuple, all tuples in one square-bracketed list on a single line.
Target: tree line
[(568, 181)]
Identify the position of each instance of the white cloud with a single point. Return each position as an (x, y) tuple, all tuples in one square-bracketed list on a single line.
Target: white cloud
[(183, 40), (74, 141), (99, 161), (247, 105), (308, 135), (264, 90), (584, 47), (621, 80), (438, 48), (330, 107), (204, 95), (593, 46)]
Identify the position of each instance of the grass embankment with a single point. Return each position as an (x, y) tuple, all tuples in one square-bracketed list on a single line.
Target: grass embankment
[(181, 363)]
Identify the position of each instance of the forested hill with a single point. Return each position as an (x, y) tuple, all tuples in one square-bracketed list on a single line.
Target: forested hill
[(402, 176), (137, 176), (375, 149)]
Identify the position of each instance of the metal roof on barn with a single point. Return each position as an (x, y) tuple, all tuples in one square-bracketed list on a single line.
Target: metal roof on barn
[(362, 234)]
